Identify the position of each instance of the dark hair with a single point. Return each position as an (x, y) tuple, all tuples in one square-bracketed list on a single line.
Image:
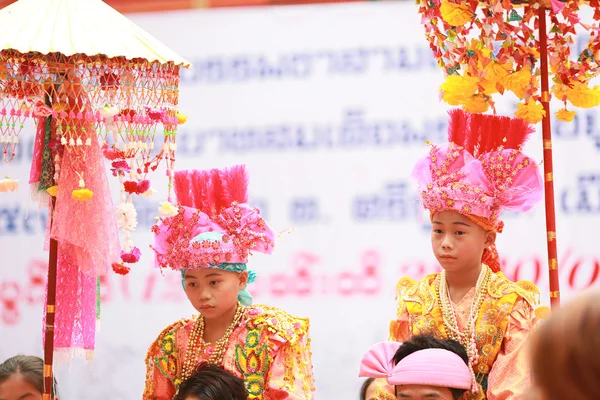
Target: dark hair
[(365, 387), (31, 368), (422, 342), (211, 382)]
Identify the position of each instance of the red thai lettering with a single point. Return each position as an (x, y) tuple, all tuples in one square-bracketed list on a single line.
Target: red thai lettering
[(37, 271), (9, 295)]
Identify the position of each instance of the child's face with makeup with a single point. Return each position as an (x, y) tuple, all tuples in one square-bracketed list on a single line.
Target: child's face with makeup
[(213, 291), (457, 241)]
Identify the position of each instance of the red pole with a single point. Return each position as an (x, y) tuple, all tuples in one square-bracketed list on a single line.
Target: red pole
[(50, 308), (548, 169)]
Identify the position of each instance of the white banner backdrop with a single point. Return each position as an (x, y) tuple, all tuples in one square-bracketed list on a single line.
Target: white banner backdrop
[(329, 106)]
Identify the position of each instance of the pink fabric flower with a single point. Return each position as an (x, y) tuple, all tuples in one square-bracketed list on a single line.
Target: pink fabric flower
[(111, 153), (119, 167), (155, 115), (131, 257)]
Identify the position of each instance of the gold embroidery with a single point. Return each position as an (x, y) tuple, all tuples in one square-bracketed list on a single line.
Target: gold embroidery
[(500, 286), (418, 298)]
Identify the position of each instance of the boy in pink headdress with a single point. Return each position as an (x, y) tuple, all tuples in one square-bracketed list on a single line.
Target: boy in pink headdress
[(209, 238), (420, 369), (465, 184)]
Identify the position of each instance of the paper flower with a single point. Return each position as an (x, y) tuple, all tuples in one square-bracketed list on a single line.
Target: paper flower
[(120, 167), (120, 268), (167, 209), (532, 111), (181, 118), (565, 115), (8, 185), (112, 153), (456, 14), (495, 71), (155, 115), (581, 95), (143, 186), (130, 187), (52, 190), (476, 104), (126, 216), (82, 195), (457, 89), (132, 256), (133, 187), (518, 82)]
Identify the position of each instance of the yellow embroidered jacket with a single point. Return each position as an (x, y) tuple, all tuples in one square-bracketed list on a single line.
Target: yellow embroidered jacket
[(269, 349), (507, 314)]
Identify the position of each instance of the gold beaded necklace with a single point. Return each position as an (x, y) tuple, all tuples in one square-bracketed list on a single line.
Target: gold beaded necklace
[(196, 344), (467, 337)]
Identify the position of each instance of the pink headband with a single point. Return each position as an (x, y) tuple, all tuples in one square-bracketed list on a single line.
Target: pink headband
[(433, 367)]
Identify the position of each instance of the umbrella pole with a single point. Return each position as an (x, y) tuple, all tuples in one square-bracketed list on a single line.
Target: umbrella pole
[(50, 308), (548, 169)]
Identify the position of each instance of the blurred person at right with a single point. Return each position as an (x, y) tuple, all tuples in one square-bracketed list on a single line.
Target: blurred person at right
[(566, 351)]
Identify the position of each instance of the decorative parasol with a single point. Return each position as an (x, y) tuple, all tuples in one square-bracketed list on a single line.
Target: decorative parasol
[(97, 87), (488, 48)]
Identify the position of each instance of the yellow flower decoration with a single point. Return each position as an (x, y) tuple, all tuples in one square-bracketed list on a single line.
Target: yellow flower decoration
[(456, 14), (494, 71), (52, 190), (565, 115), (532, 111), (581, 95), (457, 89), (518, 82), (167, 209), (476, 104), (181, 118), (559, 90), (82, 194)]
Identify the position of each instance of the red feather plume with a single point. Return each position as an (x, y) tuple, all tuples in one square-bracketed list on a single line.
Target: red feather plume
[(181, 183), (480, 133), (201, 191), (218, 193), (236, 183)]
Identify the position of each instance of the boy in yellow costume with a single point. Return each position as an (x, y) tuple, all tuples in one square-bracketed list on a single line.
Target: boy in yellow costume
[(209, 238), (465, 184)]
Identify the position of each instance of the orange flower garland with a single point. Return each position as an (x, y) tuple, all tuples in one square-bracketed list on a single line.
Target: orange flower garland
[(490, 47)]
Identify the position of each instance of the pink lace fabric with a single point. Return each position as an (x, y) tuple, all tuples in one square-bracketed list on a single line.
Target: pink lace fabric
[(87, 245), (38, 148)]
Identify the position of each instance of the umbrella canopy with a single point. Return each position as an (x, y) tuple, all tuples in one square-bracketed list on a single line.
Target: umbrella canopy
[(98, 87), (72, 27)]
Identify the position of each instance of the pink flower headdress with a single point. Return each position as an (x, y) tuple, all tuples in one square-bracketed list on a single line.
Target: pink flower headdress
[(481, 171), (213, 226), (432, 367)]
